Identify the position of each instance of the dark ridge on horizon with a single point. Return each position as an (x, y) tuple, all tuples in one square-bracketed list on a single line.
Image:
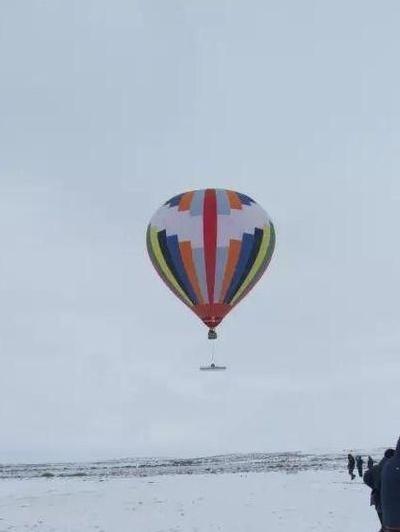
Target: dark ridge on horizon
[(287, 462)]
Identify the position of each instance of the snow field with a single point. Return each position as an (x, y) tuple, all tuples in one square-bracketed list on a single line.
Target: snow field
[(255, 502)]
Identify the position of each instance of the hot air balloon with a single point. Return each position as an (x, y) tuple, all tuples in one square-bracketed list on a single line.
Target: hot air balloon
[(210, 247)]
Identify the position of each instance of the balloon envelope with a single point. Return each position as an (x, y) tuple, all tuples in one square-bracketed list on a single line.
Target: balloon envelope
[(210, 247)]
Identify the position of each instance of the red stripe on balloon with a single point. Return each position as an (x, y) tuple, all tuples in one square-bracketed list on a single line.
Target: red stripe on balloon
[(210, 239)]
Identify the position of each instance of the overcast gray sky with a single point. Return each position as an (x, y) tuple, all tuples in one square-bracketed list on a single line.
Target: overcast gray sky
[(107, 109)]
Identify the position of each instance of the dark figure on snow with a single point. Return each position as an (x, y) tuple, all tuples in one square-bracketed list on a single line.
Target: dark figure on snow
[(372, 478), (351, 464), (359, 462), (390, 492), (370, 463)]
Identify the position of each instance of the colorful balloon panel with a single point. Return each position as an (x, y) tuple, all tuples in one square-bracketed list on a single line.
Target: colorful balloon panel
[(210, 247)]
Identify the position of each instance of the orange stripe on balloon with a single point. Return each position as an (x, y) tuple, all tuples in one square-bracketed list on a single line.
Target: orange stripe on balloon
[(233, 256), (187, 258), (186, 201), (234, 200)]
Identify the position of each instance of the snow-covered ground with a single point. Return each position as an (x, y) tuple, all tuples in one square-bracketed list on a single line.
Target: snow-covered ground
[(306, 501)]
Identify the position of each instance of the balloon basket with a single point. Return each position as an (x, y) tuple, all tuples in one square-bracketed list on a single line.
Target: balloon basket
[(212, 335)]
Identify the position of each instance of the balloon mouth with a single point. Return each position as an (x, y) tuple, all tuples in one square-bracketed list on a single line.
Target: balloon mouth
[(212, 322), (212, 314)]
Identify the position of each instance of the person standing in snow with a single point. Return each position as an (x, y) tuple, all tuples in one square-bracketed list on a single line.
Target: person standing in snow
[(351, 464), (370, 463), (359, 462), (372, 478), (390, 493)]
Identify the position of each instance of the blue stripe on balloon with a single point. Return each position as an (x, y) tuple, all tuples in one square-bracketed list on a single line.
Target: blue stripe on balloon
[(246, 200), (173, 202), (258, 235), (175, 253), (222, 257), (200, 265), (162, 240), (223, 206), (197, 205), (263, 266), (245, 250)]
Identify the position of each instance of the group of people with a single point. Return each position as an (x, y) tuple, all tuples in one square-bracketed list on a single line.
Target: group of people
[(359, 463), (384, 481)]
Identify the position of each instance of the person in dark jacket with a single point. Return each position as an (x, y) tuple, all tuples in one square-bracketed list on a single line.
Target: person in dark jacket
[(351, 464), (390, 493), (372, 478), (370, 463), (359, 463)]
